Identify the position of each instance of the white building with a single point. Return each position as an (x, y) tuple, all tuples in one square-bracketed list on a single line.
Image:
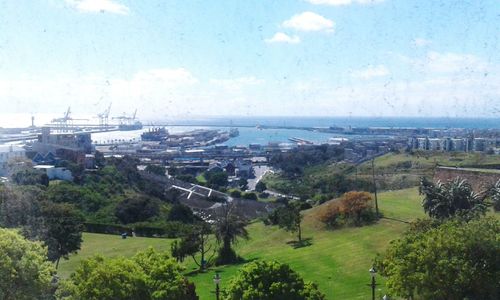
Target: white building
[(8, 153), (55, 172)]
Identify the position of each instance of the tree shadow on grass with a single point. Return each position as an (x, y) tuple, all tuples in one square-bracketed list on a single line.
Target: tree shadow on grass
[(304, 243)]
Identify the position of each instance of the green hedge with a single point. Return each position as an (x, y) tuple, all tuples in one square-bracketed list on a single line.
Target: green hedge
[(169, 229)]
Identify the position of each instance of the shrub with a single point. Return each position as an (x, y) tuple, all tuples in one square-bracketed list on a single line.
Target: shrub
[(357, 207), (235, 194), (24, 269), (148, 275), (453, 260), (353, 208), (270, 280), (250, 196), (137, 209), (330, 215)]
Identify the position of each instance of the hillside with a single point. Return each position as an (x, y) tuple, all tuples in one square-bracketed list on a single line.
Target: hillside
[(393, 171), (337, 260)]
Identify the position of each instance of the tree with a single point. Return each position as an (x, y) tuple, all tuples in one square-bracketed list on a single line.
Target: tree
[(156, 169), (64, 225), (454, 260), (228, 229), (86, 199), (356, 204), (455, 197), (495, 196), (243, 184), (216, 179), (263, 280), (260, 186), (164, 279), (148, 275), (330, 214), (20, 208), (99, 278), (29, 176), (289, 218), (196, 241), (137, 209), (352, 208), (181, 213), (24, 270)]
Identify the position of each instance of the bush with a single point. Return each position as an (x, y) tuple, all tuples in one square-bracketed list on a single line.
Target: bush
[(353, 208), (156, 169), (148, 275), (106, 228), (453, 260), (181, 213), (331, 215), (250, 196), (264, 195), (270, 280), (168, 229), (235, 194), (357, 207), (137, 209), (260, 186), (24, 269)]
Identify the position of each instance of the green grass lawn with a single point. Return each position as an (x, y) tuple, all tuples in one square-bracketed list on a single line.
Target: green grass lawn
[(338, 261), (201, 179), (109, 246)]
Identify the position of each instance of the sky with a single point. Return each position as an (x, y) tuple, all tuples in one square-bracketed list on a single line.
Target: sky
[(185, 58)]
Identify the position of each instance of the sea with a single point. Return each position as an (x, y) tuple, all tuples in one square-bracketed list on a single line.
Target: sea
[(254, 134)]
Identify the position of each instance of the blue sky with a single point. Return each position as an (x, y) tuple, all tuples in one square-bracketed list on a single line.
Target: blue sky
[(184, 58)]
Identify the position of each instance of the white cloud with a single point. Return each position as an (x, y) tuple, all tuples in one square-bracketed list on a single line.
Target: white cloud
[(371, 72), (343, 2), (442, 96), (454, 62), (236, 83), (309, 21), (421, 42), (280, 37), (449, 62), (167, 77), (96, 6), (148, 90)]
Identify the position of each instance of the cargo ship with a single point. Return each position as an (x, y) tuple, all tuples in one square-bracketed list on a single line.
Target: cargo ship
[(234, 132), (130, 126), (155, 134)]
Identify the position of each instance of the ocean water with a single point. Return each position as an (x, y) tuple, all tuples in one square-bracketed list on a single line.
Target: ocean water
[(248, 135), (253, 134), (421, 122), (24, 120)]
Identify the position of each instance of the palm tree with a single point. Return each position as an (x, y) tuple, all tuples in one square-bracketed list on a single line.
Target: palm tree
[(228, 229), (455, 197)]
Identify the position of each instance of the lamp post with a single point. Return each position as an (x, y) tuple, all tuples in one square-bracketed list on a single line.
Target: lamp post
[(217, 289), (373, 272)]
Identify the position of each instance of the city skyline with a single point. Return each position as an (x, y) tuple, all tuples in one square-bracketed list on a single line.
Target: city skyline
[(251, 58)]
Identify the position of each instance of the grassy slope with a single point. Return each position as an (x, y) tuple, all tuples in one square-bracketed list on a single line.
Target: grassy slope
[(109, 246), (427, 160), (393, 171), (337, 260)]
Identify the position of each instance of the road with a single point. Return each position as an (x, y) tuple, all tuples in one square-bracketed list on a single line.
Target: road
[(259, 172)]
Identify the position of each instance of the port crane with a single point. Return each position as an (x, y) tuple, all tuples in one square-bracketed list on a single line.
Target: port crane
[(104, 117), (66, 120), (124, 119)]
